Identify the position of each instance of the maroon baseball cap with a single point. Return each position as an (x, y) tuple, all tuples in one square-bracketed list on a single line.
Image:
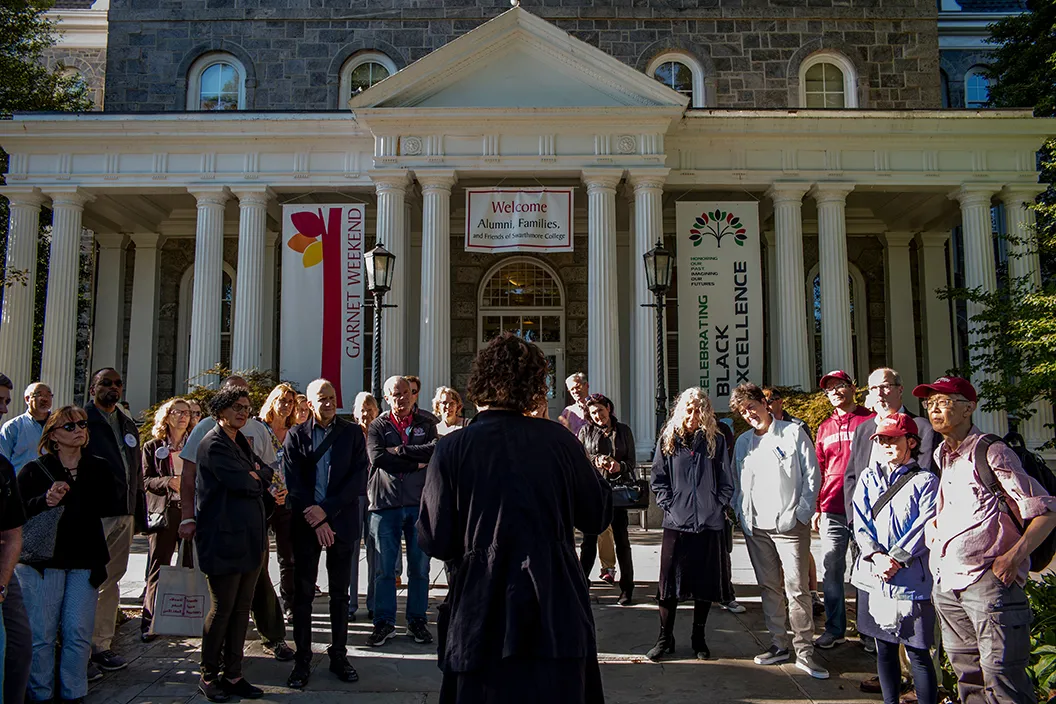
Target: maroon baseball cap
[(839, 375), (947, 385), (897, 425)]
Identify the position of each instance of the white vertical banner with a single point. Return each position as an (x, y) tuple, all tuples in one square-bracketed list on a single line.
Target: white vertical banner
[(720, 297), (323, 294)]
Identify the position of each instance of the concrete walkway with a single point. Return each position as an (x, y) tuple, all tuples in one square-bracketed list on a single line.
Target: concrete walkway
[(166, 671)]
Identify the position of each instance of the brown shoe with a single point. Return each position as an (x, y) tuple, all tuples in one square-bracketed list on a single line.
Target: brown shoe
[(871, 686)]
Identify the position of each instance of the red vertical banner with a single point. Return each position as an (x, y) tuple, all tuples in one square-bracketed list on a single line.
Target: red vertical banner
[(333, 301)]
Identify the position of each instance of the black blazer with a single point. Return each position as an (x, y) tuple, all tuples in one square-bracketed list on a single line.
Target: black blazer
[(348, 475), (129, 498), (231, 529)]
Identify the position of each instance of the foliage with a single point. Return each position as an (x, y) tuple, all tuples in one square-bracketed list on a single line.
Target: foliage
[(1042, 597), (1022, 68), (812, 407)]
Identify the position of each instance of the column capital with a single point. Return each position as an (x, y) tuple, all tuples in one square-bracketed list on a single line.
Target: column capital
[(390, 180), (602, 179), (24, 195), (254, 196), (147, 240), (831, 192), (210, 195), (436, 179), (934, 238), (642, 179), (1020, 194), (787, 191), (74, 197), (112, 240), (897, 239), (974, 194)]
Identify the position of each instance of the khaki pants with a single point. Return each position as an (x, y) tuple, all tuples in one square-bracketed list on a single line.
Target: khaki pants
[(119, 531), (782, 566), (606, 550)]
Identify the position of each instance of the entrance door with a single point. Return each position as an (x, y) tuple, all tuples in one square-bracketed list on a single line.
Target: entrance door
[(523, 296)]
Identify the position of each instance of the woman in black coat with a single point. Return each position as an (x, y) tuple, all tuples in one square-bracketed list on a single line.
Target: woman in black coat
[(230, 537), (610, 448), (693, 484), (502, 500)]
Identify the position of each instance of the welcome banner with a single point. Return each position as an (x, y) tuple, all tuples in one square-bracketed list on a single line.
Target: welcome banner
[(519, 219), (720, 297), (323, 290)]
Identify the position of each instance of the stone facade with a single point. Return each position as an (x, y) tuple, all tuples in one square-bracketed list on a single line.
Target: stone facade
[(750, 50), (955, 64), (90, 64)]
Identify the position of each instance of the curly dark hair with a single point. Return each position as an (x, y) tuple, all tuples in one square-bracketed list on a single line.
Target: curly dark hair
[(508, 373), (225, 398)]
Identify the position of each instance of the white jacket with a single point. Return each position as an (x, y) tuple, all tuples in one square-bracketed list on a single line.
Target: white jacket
[(792, 473)]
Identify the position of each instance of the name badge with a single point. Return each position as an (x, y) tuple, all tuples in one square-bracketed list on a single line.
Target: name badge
[(131, 440), (162, 452)]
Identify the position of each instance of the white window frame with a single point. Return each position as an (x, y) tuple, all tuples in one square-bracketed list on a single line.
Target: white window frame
[(850, 77), (700, 97), (355, 61), (199, 67), (971, 73), (861, 319), (183, 321)]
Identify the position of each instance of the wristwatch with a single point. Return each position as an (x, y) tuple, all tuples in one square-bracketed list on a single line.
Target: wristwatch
[(3, 591)]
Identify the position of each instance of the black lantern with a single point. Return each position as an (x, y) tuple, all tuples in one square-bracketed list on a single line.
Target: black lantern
[(380, 265), (658, 263)]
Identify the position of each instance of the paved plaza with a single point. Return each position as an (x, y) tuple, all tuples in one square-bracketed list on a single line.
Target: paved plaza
[(166, 671)]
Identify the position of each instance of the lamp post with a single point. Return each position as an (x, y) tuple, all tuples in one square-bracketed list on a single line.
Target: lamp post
[(658, 263), (380, 266)]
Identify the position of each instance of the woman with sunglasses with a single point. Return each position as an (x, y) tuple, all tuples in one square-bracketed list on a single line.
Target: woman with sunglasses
[(196, 414), (60, 592), (231, 537), (162, 469), (277, 416)]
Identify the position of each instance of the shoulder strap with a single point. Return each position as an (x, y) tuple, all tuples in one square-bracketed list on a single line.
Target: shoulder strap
[(892, 490), (989, 479), (328, 441)]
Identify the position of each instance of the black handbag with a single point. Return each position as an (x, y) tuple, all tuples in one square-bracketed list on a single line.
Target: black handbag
[(633, 495), (158, 522)]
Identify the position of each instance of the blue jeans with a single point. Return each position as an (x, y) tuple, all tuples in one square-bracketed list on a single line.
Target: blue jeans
[(835, 539), (59, 601), (386, 528)]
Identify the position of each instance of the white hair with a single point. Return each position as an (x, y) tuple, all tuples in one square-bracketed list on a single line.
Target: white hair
[(391, 382), (315, 387), (33, 387), (572, 378)]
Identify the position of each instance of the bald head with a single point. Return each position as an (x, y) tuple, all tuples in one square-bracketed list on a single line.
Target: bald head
[(38, 400), (322, 399)]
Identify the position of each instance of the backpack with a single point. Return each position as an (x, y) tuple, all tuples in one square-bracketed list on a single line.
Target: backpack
[(1036, 468)]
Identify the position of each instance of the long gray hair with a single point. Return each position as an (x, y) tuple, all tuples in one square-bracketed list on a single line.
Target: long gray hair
[(693, 397)]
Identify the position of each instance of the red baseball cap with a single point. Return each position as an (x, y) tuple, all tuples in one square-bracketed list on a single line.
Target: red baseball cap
[(897, 425), (839, 375), (947, 385)]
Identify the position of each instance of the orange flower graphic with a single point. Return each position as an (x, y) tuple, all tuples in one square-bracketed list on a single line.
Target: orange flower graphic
[(310, 229)]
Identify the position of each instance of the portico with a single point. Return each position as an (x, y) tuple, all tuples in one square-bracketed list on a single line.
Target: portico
[(867, 194)]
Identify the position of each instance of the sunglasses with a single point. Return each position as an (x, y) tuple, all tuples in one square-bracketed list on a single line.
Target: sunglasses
[(73, 425), (241, 408), (107, 383)]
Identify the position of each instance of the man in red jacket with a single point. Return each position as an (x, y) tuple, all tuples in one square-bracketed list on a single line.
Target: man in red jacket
[(833, 446)]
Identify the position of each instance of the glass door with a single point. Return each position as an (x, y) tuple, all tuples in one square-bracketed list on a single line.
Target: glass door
[(545, 329)]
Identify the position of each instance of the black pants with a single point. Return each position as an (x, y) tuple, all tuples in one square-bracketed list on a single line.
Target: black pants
[(224, 635), (267, 611), (280, 523), (588, 550), (306, 551), (162, 547), (925, 681), (701, 609), (19, 657)]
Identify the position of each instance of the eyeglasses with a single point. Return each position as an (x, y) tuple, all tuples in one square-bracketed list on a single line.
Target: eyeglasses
[(179, 414), (241, 408), (196, 414), (107, 383), (73, 425), (942, 404), (837, 387), (885, 387)]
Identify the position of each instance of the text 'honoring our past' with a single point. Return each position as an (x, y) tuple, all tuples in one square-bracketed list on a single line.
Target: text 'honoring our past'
[(720, 297), (519, 219)]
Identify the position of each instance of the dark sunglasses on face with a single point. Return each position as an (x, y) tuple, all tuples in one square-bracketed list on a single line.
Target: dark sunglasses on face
[(73, 425), (107, 383), (241, 408)]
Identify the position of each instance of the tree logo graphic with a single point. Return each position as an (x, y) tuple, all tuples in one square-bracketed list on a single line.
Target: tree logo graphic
[(718, 224), (311, 228)]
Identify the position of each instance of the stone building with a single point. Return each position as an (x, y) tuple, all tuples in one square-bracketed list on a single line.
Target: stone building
[(843, 119)]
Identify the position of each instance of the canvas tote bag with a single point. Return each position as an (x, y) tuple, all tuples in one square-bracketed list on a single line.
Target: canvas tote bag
[(182, 599)]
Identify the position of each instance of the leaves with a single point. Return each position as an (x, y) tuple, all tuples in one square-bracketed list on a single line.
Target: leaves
[(309, 224)]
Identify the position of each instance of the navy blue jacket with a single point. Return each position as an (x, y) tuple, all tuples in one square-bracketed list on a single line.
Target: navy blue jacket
[(396, 480), (692, 487), (348, 475)]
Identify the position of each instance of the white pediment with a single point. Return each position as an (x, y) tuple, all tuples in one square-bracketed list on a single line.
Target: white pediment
[(518, 60)]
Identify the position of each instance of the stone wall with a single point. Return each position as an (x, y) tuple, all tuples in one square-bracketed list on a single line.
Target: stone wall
[(750, 49), (955, 65), (89, 63)]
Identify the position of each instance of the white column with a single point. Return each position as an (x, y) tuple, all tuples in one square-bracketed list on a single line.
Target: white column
[(772, 303), (16, 318), (793, 367), (108, 333), (60, 313), (603, 330), (1023, 264), (208, 277), (836, 349), (391, 187), (141, 377), (434, 348), (901, 322), (247, 339), (271, 302), (647, 226), (935, 321), (979, 272)]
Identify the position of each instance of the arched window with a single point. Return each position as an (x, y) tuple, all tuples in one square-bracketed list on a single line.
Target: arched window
[(944, 89), (682, 73), (216, 81), (183, 323), (828, 80), (976, 88), (859, 335), (362, 71), (523, 296)]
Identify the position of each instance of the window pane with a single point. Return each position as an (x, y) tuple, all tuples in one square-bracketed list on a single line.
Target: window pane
[(530, 328), (976, 89), (365, 75), (551, 376), (491, 327), (551, 328), (663, 73), (219, 88), (511, 323), (834, 100), (521, 284)]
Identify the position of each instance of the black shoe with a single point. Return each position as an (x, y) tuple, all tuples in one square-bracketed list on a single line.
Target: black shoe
[(700, 642), (418, 631), (281, 651), (213, 691), (147, 637), (298, 679), (665, 645), (351, 616), (370, 615), (625, 599), (382, 632), (109, 661), (242, 688), (702, 651), (94, 673), (344, 670)]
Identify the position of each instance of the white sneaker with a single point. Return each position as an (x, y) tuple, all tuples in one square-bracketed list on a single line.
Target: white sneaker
[(734, 607), (812, 668), (772, 656)]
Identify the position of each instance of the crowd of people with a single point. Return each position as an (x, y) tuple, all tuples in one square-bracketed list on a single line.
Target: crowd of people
[(939, 553)]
